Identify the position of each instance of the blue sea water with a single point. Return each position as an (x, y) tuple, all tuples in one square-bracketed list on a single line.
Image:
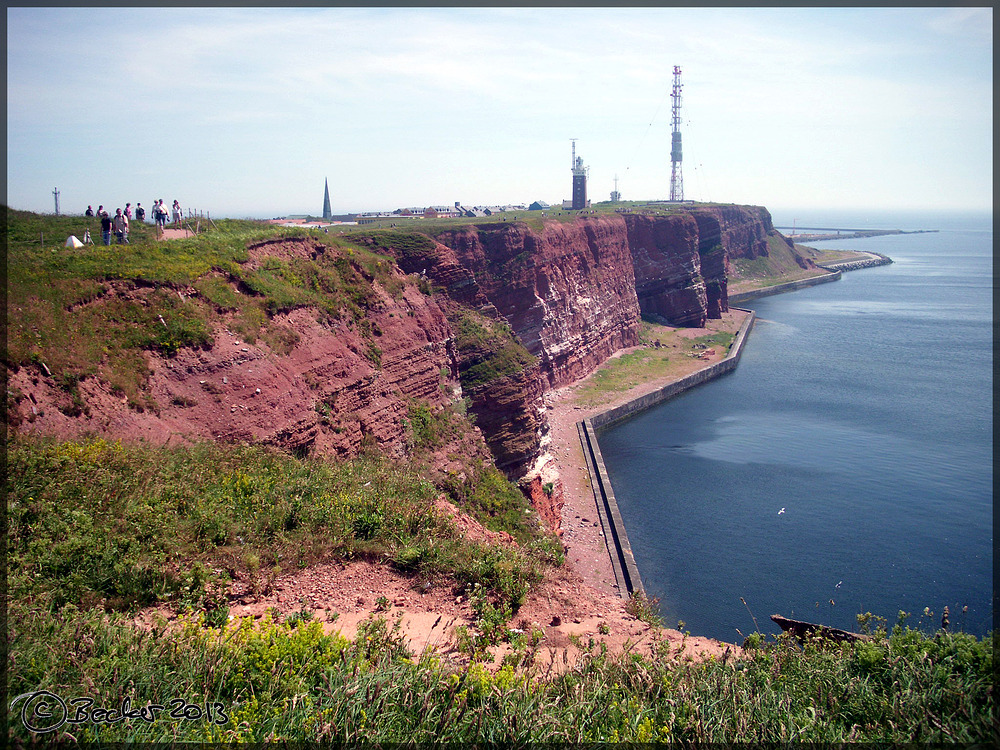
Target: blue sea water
[(846, 466)]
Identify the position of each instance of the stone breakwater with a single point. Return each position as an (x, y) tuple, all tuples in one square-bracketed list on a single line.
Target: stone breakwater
[(619, 549), (835, 269), (876, 259)]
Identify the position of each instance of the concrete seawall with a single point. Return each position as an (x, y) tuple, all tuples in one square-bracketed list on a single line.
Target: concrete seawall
[(619, 549), (788, 286), (622, 559)]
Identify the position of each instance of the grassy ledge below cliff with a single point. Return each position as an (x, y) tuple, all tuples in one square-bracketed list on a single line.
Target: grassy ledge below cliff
[(781, 264), (666, 353)]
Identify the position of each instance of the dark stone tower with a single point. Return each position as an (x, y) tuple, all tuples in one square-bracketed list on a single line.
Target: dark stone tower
[(579, 180), (327, 211), (579, 187)]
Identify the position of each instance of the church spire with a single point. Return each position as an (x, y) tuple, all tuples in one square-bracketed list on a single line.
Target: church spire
[(327, 211)]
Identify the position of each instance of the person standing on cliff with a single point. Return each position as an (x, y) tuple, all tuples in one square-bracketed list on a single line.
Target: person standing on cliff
[(120, 225), (105, 227), (160, 216)]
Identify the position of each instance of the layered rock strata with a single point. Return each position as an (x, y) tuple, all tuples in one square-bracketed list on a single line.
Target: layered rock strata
[(341, 387), (571, 292)]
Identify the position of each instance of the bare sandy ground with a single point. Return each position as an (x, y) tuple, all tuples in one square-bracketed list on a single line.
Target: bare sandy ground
[(170, 233)]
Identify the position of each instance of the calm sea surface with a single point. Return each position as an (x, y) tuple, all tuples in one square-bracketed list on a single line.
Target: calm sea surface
[(846, 466)]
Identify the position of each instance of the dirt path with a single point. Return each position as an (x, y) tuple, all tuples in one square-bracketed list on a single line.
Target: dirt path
[(170, 233)]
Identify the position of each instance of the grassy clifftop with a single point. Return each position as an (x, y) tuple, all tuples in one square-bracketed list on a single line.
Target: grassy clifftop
[(72, 310)]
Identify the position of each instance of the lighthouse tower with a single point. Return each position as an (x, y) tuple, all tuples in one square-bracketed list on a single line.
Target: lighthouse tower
[(579, 180)]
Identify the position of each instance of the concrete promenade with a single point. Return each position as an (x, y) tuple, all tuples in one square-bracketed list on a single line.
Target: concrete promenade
[(619, 549)]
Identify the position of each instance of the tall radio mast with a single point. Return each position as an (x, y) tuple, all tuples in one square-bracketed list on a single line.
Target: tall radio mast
[(676, 175)]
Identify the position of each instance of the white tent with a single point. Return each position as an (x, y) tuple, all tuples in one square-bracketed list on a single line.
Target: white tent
[(72, 241)]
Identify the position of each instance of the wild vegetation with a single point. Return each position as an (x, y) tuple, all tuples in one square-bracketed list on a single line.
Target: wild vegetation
[(777, 267), (122, 526), (488, 349), (97, 528), (287, 680), (94, 311)]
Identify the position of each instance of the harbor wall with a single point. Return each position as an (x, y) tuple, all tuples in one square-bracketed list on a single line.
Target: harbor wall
[(622, 560)]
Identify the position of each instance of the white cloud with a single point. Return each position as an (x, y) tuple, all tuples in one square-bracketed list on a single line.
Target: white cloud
[(406, 100)]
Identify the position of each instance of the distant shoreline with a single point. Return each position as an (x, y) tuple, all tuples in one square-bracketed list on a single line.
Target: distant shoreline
[(824, 233)]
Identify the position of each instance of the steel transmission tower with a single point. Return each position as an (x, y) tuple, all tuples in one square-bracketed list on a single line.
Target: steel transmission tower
[(676, 174)]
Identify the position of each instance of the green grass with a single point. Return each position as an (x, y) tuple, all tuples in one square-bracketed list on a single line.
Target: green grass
[(777, 267), (290, 681), (532, 219), (488, 349), (624, 372), (102, 523), (823, 257), (95, 311), (96, 528), (620, 374)]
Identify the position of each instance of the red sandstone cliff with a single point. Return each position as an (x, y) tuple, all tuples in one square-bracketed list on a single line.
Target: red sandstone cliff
[(567, 292), (570, 292), (573, 294), (340, 387)]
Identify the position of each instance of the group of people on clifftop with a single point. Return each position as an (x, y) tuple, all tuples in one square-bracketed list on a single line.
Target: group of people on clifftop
[(118, 225)]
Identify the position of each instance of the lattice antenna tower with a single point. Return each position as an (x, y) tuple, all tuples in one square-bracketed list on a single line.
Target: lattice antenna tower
[(676, 173), (55, 193)]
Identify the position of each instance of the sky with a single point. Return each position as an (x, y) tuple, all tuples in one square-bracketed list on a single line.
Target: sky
[(244, 112)]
